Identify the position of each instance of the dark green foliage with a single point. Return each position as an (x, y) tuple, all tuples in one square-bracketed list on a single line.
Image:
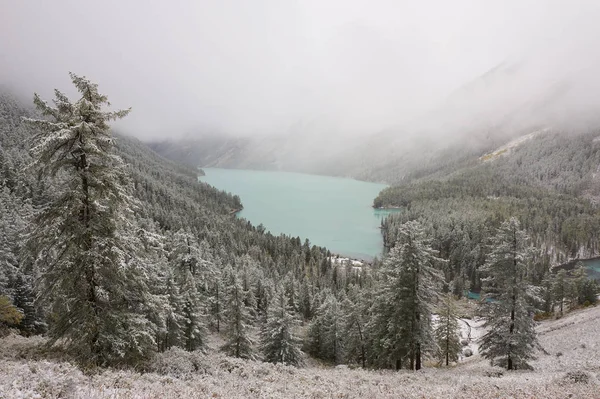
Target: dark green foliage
[(588, 292), (401, 326), (545, 182), (508, 296), (279, 344), (170, 199), (238, 344), (355, 322), (447, 332), (85, 247), (325, 332)]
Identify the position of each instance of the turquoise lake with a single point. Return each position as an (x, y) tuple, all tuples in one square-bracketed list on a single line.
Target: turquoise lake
[(333, 212), (593, 267)]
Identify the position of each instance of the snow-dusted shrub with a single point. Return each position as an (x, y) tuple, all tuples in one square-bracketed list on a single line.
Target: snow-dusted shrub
[(467, 352), (576, 377), (494, 372), (177, 362), (230, 364)]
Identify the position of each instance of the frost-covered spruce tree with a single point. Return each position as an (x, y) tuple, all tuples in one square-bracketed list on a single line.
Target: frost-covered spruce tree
[(325, 332), (560, 288), (11, 227), (580, 281), (192, 274), (238, 344), (174, 321), (264, 292), (511, 338), (409, 289), (354, 332), (216, 302), (305, 300), (85, 246), (279, 344), (447, 331), (24, 299)]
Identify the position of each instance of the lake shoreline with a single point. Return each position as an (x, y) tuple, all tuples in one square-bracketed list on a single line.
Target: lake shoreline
[(387, 207), (332, 212), (571, 264)]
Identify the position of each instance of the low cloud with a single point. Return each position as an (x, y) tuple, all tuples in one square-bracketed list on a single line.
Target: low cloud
[(336, 67)]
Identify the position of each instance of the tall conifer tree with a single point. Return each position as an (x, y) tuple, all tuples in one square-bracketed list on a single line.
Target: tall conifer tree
[(508, 295), (408, 291), (85, 246), (279, 343)]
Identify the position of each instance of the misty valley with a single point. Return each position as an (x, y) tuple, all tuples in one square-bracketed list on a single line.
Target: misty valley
[(300, 199), (333, 212)]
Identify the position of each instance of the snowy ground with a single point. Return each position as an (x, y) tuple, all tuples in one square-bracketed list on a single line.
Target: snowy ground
[(506, 149), (344, 261), (471, 331), (571, 344)]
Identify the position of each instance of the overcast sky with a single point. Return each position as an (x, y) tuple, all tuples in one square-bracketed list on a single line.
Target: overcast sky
[(248, 67)]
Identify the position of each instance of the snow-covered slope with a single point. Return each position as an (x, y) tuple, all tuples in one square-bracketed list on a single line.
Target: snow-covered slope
[(571, 344), (507, 148)]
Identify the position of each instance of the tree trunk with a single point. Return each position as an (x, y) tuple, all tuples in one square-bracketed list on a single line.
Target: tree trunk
[(418, 358), (362, 345), (509, 365), (448, 339), (218, 309), (90, 272)]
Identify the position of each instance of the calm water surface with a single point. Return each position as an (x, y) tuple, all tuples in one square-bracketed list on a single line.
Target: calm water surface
[(593, 267), (329, 211)]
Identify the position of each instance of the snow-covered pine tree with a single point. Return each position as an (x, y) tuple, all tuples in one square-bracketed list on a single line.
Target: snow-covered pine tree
[(24, 299), (324, 338), (279, 343), (173, 315), (192, 275), (447, 331), (580, 278), (409, 288), (511, 338), (263, 293), (157, 272), (547, 295), (238, 344), (217, 297), (84, 240), (560, 288), (305, 300), (355, 342), (10, 228), (194, 329)]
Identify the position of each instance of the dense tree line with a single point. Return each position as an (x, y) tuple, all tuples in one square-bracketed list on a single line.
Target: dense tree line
[(547, 182)]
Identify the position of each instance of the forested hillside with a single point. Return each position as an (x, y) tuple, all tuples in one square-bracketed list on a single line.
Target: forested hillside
[(549, 180), (179, 222)]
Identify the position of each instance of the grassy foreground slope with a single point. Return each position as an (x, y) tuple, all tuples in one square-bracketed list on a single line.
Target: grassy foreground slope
[(569, 368)]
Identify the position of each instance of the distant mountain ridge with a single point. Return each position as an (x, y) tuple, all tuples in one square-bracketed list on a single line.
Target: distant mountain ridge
[(511, 100)]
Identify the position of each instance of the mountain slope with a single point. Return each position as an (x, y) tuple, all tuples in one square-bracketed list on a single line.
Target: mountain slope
[(569, 368), (548, 180)]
